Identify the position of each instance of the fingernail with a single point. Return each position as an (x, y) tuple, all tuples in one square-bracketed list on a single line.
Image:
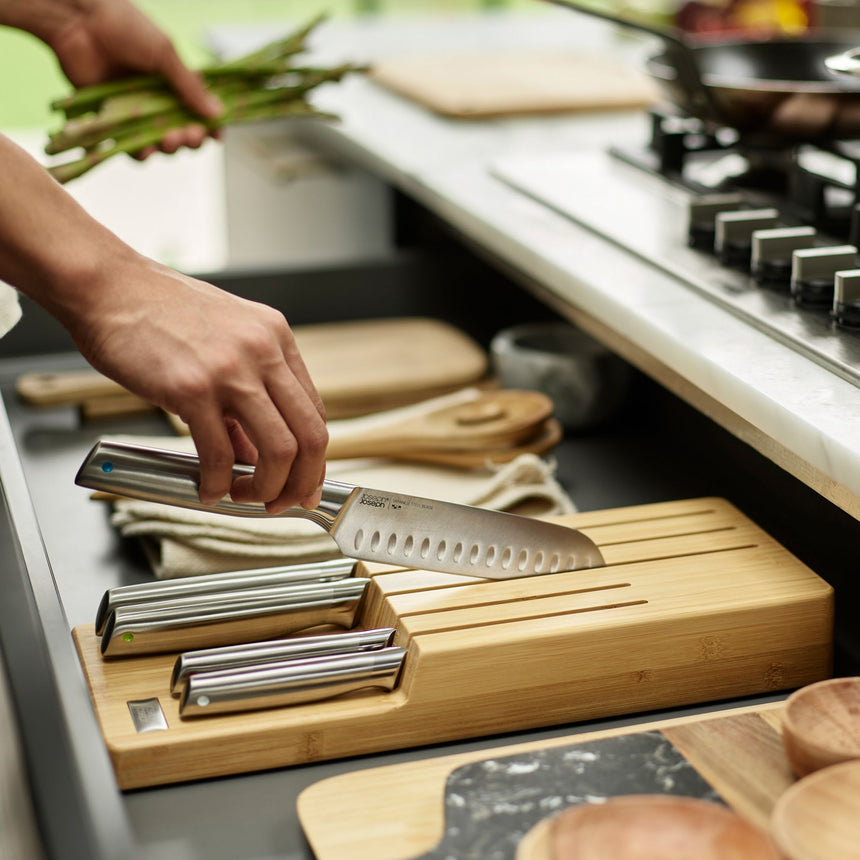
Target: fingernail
[(214, 105), (313, 501)]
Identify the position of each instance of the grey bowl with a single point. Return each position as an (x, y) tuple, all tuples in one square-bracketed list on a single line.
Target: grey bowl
[(586, 381)]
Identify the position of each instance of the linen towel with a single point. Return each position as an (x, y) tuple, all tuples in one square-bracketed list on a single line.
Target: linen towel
[(10, 308)]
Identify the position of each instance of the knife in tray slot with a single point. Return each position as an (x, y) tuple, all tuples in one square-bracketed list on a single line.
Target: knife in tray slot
[(289, 682), (214, 584), (230, 617), (275, 651), (372, 525)]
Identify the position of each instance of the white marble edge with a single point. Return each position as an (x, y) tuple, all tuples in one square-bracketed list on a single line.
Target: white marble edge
[(446, 165)]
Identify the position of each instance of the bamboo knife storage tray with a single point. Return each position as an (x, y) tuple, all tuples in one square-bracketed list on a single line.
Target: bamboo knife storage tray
[(696, 603)]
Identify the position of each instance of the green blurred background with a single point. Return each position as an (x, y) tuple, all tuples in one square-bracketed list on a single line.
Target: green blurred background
[(30, 77)]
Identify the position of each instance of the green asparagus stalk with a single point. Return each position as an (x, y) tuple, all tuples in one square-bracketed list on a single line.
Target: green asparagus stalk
[(132, 114), (120, 110), (173, 116), (293, 44), (143, 137), (268, 60)]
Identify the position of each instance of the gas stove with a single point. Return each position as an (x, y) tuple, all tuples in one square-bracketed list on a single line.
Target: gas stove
[(771, 235)]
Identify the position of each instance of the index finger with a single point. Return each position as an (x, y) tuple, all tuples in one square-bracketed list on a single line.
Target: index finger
[(189, 86)]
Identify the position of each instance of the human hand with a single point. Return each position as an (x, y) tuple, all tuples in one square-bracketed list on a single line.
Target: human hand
[(230, 368), (107, 39)]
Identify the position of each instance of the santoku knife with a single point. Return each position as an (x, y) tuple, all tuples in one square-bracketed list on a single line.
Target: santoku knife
[(372, 525)]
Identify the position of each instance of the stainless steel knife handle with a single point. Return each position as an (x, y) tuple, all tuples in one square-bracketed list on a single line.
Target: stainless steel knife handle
[(218, 583), (291, 683), (172, 626), (260, 653), (173, 478)]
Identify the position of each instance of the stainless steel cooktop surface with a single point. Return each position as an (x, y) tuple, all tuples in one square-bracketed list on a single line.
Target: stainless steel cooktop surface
[(650, 216)]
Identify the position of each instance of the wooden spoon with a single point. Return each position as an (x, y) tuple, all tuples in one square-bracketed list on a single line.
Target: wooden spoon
[(495, 419), (818, 818), (546, 437), (821, 725), (647, 827)]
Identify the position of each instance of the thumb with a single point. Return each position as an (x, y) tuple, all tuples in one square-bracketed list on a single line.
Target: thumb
[(189, 86)]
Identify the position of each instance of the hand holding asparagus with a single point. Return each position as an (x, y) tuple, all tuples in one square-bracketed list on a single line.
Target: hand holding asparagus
[(135, 113)]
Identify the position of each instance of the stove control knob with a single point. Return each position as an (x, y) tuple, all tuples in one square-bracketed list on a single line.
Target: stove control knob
[(846, 298), (772, 250), (702, 214), (813, 271), (733, 239)]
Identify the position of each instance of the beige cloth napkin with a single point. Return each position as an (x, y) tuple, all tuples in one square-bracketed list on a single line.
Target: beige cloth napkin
[(181, 542), (10, 308)]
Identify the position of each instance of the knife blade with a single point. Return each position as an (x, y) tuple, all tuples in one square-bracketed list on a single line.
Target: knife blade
[(372, 525)]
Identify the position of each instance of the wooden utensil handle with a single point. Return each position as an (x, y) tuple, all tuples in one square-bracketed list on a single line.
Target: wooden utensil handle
[(492, 420), (66, 387)]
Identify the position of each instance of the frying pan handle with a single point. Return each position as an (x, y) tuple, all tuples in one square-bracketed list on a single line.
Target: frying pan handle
[(847, 63), (681, 56)]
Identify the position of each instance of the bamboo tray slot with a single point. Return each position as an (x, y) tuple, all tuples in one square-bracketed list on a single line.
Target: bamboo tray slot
[(695, 603)]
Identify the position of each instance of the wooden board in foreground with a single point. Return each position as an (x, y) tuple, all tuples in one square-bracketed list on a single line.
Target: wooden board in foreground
[(398, 812)]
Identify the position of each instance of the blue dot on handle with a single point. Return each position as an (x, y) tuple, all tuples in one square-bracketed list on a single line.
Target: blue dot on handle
[(107, 466)]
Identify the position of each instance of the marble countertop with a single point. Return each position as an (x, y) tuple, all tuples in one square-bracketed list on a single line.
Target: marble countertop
[(794, 411)]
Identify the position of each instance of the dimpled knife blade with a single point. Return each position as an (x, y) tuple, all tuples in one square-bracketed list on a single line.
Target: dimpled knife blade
[(372, 525)]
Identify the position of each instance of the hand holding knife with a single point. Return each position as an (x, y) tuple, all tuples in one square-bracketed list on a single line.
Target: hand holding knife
[(367, 524)]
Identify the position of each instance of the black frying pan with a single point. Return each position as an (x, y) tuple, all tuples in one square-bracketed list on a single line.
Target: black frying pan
[(774, 92)]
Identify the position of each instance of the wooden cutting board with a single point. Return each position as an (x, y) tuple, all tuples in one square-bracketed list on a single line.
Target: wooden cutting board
[(358, 367), (370, 365), (511, 84), (696, 603), (482, 803)]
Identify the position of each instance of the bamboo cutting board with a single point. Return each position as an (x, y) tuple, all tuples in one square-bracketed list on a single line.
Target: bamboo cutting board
[(696, 603), (483, 86), (358, 367), (446, 807)]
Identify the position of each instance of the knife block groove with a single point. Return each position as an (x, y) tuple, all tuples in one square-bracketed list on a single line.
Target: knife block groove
[(695, 603)]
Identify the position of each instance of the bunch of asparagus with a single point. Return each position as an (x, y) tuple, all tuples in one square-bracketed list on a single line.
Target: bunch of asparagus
[(133, 113)]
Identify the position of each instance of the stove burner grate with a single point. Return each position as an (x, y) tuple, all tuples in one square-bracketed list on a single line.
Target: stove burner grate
[(812, 185)]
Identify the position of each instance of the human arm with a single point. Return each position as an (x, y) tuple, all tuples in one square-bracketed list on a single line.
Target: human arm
[(228, 367)]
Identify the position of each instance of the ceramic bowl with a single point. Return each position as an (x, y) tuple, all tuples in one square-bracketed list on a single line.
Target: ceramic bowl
[(821, 725), (585, 381), (647, 827)]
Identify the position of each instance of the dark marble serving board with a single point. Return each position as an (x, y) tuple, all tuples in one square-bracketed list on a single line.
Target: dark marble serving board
[(490, 805)]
